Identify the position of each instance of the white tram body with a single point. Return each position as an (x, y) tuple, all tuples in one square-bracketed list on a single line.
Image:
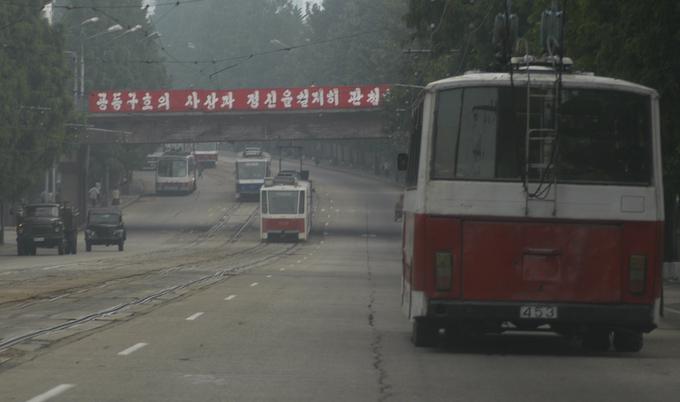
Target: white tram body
[(286, 209), (490, 237), (176, 173), (252, 166)]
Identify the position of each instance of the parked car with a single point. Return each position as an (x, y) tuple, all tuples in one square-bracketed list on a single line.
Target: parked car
[(105, 227)]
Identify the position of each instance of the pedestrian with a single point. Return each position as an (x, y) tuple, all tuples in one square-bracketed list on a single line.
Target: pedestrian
[(93, 195), (115, 196)]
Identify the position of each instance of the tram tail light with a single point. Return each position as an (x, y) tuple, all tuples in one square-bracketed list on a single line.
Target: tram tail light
[(637, 273), (443, 270)]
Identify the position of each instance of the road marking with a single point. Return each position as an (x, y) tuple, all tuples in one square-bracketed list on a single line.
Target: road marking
[(252, 285), (282, 269), (299, 261), (672, 310), (323, 209), (194, 316), (230, 297), (132, 349), (59, 389), (53, 267), (325, 224), (269, 276)]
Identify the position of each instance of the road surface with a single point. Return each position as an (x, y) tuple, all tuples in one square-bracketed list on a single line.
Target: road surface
[(197, 309)]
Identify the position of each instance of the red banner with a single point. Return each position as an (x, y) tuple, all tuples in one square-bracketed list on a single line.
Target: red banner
[(227, 100)]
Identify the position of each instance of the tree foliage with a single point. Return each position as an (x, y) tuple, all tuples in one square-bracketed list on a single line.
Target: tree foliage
[(129, 58), (34, 101), (234, 43)]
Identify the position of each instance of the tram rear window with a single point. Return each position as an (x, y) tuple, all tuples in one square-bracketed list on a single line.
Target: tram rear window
[(604, 136), (283, 202)]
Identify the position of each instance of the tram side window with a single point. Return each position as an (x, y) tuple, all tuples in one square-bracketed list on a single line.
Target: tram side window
[(265, 202), (414, 148), (301, 204)]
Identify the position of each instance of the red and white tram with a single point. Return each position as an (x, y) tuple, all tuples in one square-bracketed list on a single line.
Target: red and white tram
[(534, 199), (286, 209)]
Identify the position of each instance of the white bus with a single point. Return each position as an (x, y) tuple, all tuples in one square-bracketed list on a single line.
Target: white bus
[(252, 166), (534, 199), (176, 173)]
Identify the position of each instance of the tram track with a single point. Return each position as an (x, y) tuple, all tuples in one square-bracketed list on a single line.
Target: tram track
[(214, 256), (206, 280)]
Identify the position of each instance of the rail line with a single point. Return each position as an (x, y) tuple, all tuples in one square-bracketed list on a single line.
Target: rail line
[(209, 279)]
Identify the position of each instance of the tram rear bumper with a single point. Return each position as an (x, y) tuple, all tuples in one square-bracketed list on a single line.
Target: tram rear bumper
[(632, 316)]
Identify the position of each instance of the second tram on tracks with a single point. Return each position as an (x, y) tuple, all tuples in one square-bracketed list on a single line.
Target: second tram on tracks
[(286, 209), (534, 200)]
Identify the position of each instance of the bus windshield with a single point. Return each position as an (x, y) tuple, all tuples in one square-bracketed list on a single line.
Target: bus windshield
[(251, 170), (604, 136), (283, 202), (172, 168)]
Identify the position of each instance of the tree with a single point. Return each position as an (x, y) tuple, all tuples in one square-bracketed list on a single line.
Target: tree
[(128, 58), (34, 101), (234, 43)]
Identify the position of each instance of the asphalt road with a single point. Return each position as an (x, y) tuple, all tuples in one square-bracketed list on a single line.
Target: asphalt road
[(212, 317)]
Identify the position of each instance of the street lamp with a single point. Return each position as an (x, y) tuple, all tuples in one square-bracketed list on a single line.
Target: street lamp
[(112, 28), (133, 29)]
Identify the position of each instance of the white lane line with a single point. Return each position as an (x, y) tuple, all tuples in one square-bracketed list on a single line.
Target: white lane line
[(132, 349), (672, 310), (252, 285), (269, 276), (230, 297), (53, 267), (299, 261), (59, 389), (194, 316), (282, 269)]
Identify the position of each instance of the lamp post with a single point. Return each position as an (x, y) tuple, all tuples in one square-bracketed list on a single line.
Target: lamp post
[(82, 38)]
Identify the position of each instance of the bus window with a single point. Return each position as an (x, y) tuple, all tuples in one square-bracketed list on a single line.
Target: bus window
[(447, 126), (414, 147), (477, 135)]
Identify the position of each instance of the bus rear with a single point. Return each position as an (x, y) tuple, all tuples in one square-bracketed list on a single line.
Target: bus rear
[(534, 205), (176, 173)]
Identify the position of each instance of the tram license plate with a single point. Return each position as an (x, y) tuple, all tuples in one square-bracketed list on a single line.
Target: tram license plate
[(544, 312), (38, 239)]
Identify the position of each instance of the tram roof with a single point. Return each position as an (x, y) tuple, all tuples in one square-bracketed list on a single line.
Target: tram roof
[(539, 75)]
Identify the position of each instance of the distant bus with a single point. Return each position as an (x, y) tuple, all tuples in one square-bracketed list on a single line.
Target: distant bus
[(286, 209), (252, 166), (176, 173), (206, 153)]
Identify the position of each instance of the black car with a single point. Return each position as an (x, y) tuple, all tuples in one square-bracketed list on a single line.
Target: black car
[(47, 225), (105, 226)]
